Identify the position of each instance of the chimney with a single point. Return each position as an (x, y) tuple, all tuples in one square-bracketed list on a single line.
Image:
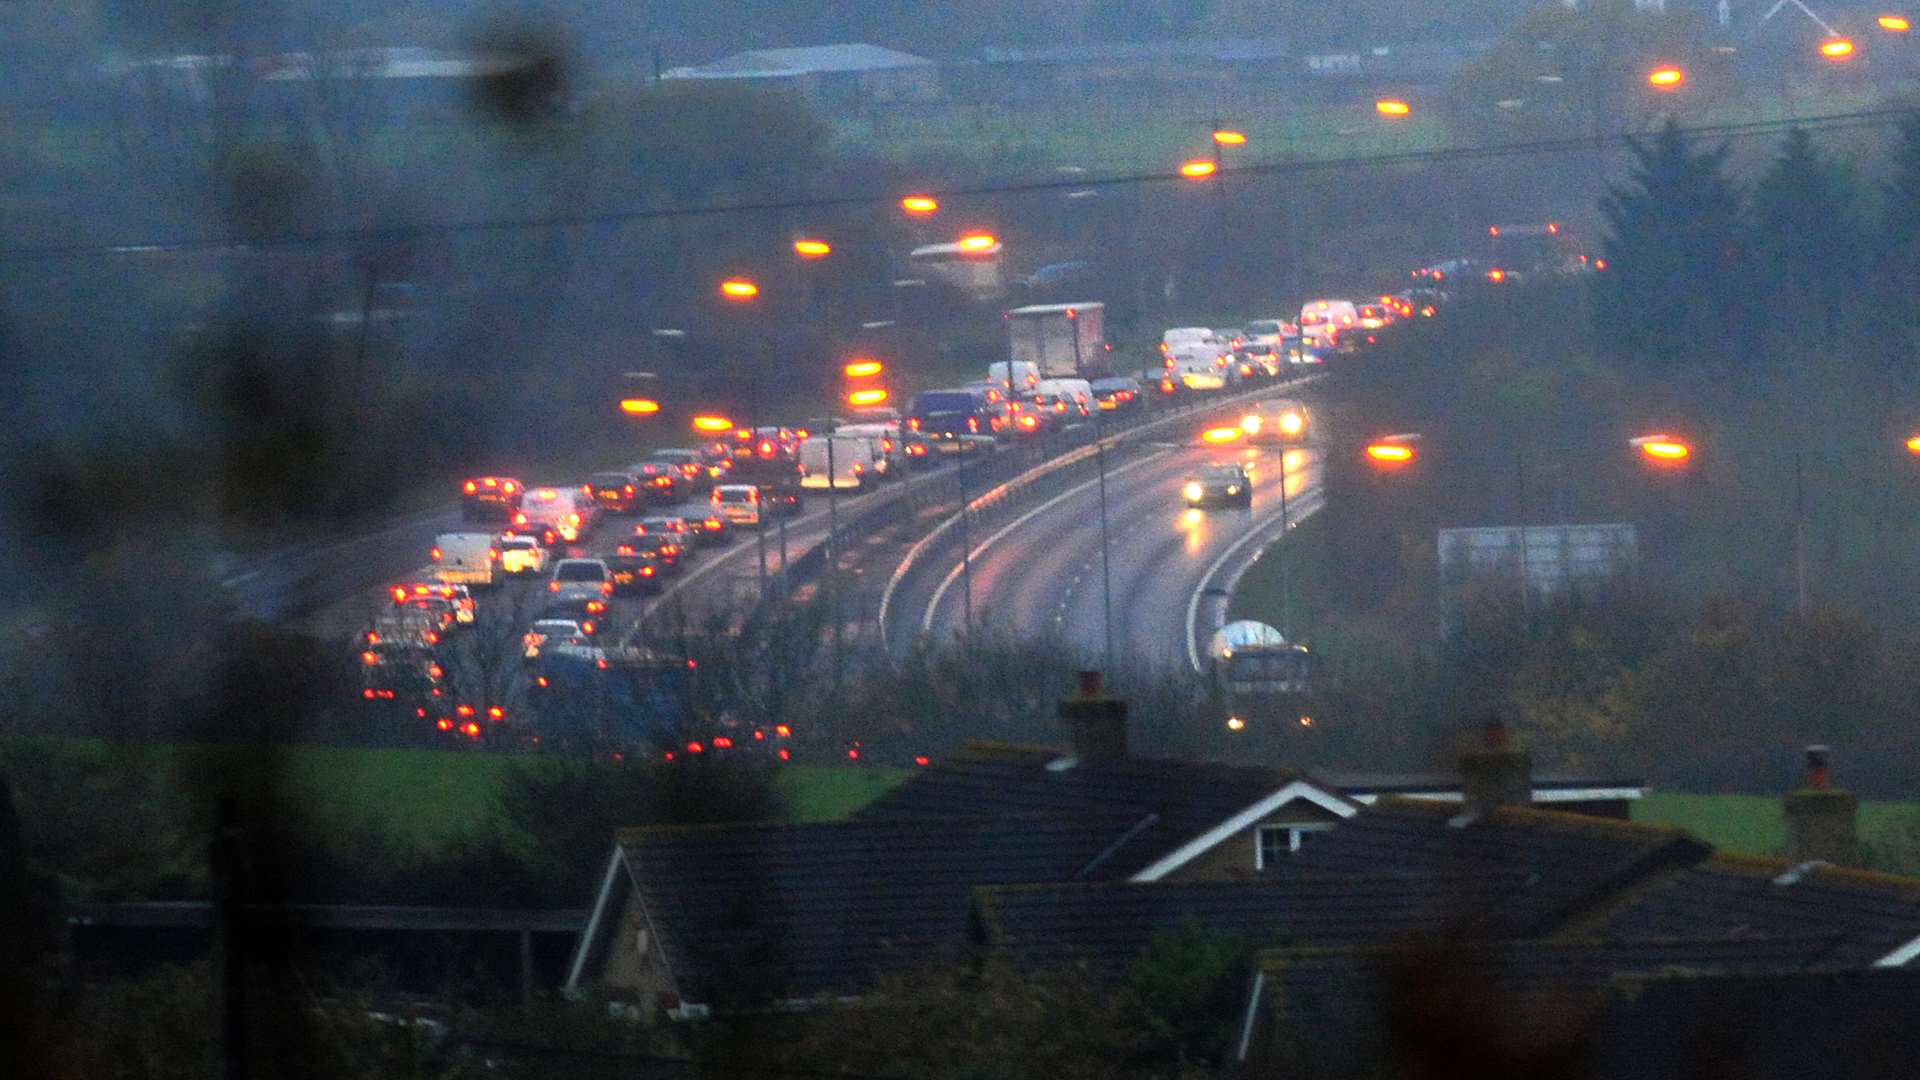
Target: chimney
[(1821, 818), (1494, 773), (1098, 723)]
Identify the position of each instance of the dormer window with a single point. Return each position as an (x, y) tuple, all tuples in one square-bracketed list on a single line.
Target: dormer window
[(1273, 843)]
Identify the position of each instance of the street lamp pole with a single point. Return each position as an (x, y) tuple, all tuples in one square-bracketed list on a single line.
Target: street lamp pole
[(1280, 549), (1799, 535), (966, 550), (1106, 572)]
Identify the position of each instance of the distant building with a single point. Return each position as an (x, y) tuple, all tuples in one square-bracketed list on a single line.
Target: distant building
[(828, 75)]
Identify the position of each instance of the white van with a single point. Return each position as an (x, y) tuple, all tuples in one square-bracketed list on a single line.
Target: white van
[(1321, 321), (1181, 336), (849, 456), (469, 559), (1016, 377), (891, 451)]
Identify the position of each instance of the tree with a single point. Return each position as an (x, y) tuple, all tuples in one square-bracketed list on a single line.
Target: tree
[(1809, 239), (1897, 263), (1674, 292)]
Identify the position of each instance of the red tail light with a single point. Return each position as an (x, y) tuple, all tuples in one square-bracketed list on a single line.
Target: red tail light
[(463, 710), (629, 489), (470, 729), (470, 487), (606, 588), (444, 723), (496, 713), (587, 627), (368, 694), (493, 554), (722, 742), (695, 748), (433, 637), (553, 586), (646, 571), (784, 755), (434, 554), (373, 638), (435, 671), (541, 681), (782, 730), (913, 423), (920, 759)]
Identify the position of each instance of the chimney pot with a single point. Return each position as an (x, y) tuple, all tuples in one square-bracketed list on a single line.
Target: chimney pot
[(1819, 769), (1097, 723), (1494, 773), (1822, 820), (1089, 684)]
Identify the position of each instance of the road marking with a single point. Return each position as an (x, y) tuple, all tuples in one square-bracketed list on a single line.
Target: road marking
[(933, 606)]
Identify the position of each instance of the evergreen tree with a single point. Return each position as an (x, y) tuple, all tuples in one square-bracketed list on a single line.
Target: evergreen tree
[(1673, 292), (1808, 240), (1900, 226), (1896, 278)]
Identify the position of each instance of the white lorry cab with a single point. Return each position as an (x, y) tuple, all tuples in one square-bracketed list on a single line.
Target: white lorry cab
[(469, 559), (839, 461)]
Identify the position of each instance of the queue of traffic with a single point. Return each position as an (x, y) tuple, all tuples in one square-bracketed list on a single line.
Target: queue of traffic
[(666, 509)]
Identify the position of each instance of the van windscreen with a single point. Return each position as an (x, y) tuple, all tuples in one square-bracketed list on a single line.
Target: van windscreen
[(943, 401)]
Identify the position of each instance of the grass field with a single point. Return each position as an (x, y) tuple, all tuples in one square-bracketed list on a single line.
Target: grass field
[(1752, 824), (421, 798)]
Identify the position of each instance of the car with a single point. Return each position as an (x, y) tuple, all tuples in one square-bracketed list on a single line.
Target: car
[(432, 597), (714, 529), (1222, 484), (891, 458), (1117, 394), (614, 492), (682, 532), (1280, 421), (589, 611), (558, 514), (739, 504), (1198, 372), (401, 629), (580, 577), (943, 417), (489, 498), (521, 555), (634, 572), (546, 633), (1069, 400), (661, 480), (693, 467), (664, 549)]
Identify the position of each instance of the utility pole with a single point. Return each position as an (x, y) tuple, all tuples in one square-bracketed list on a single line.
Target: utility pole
[(229, 950), (1799, 535), (1280, 549)]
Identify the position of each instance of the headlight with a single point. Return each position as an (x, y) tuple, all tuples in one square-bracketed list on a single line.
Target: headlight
[(1194, 491), (1233, 489), (1292, 422), (1251, 425)]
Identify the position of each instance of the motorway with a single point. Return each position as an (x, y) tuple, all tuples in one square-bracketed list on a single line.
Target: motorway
[(1039, 574)]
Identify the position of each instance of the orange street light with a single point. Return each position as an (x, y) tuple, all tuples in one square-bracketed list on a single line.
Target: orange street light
[(1662, 449), (872, 395), (863, 369), (712, 425), (1227, 137), (1496, 275), (1894, 24), (812, 249), (639, 406), (1392, 107), (739, 289), (1666, 78), (1913, 445), (1198, 170), (1836, 49), (919, 205), (1390, 453), (979, 242)]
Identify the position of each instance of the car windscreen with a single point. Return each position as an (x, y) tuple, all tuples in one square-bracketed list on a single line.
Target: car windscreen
[(578, 571), (609, 479), (1263, 328)]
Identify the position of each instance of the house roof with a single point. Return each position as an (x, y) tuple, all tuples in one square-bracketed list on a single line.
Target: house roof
[(1188, 798), (789, 911), (1339, 1011), (1819, 1025), (1872, 916), (1575, 861), (807, 60), (1104, 926)]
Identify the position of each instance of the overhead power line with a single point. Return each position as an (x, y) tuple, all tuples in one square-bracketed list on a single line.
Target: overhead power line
[(434, 230)]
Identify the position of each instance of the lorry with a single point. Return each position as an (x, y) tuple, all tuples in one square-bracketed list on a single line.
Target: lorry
[(1061, 340)]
